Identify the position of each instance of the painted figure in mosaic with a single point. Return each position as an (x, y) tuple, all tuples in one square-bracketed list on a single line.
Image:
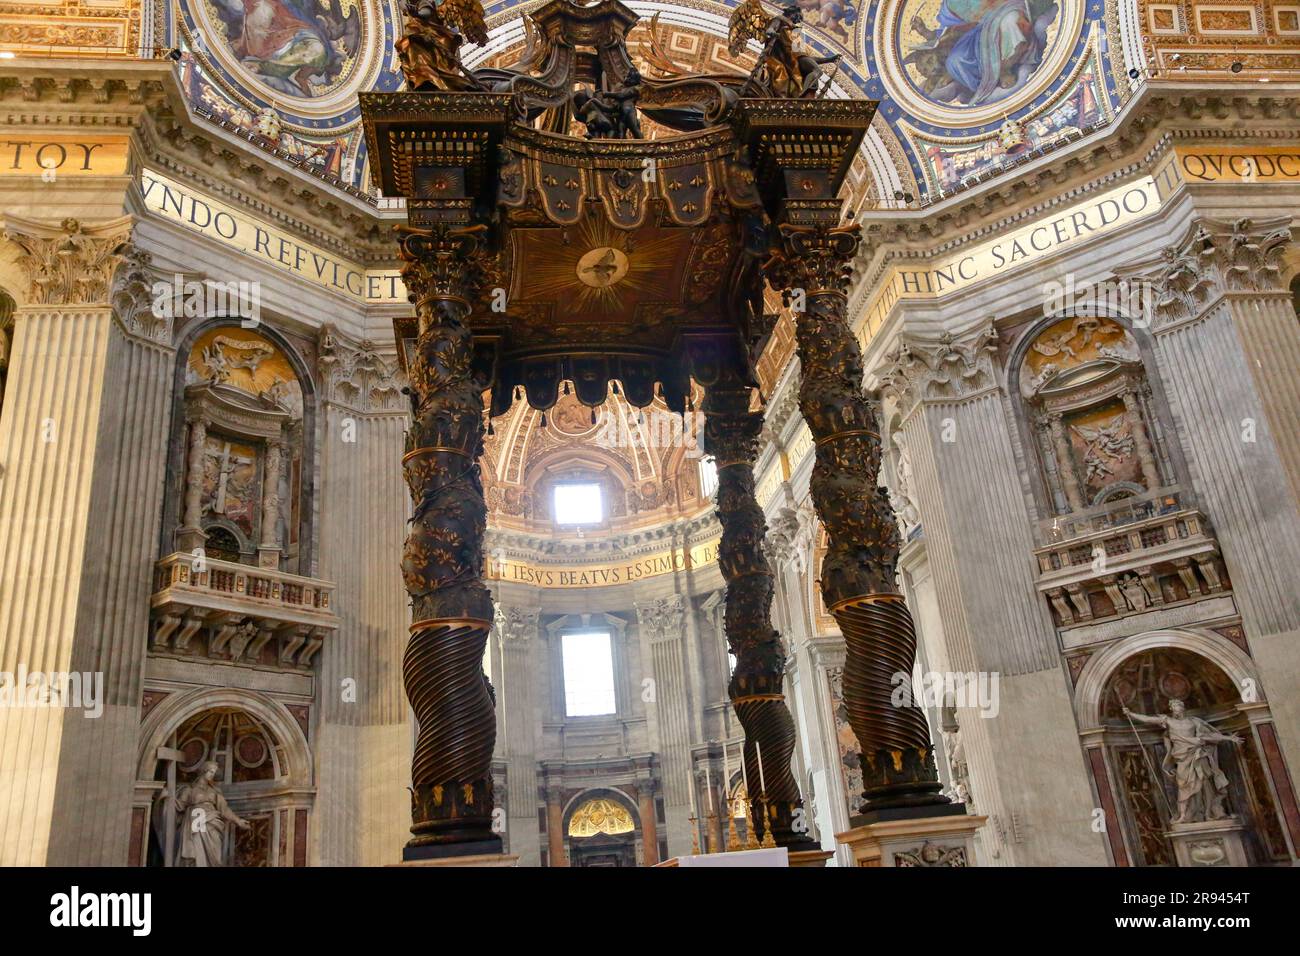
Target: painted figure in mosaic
[(1192, 759), (980, 51), (295, 46)]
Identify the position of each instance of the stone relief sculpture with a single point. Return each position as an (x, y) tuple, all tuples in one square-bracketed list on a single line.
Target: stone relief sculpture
[(1135, 595), (1190, 749), (198, 815)]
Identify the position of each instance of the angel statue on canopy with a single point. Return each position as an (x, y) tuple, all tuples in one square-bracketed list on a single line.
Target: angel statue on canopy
[(790, 72), (430, 49)]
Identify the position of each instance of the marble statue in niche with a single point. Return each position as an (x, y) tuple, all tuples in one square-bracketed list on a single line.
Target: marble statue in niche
[(200, 815), (1192, 759)]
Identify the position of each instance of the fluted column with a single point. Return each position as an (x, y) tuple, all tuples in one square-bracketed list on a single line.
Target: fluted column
[(857, 575), (661, 624), (731, 436), (517, 627), (1138, 429), (268, 549), (1065, 462), (82, 453), (363, 738), (443, 564), (990, 619)]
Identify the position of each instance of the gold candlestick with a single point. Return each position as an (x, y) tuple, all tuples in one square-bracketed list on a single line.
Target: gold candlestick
[(769, 814), (733, 839), (751, 841), (695, 837), (710, 842)]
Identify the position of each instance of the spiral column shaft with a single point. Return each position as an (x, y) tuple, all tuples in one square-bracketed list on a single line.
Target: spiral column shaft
[(451, 778), (813, 266), (731, 436)]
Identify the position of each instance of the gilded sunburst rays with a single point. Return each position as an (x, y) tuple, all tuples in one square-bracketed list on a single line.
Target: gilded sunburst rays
[(601, 271)]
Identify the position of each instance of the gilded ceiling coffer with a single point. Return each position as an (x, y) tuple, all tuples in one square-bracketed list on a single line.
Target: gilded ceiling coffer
[(547, 246)]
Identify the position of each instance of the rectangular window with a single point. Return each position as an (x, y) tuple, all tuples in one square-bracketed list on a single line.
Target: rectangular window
[(588, 674), (578, 503)]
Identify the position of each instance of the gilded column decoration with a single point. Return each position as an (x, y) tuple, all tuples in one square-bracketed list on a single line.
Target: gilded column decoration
[(731, 433), (858, 572), (451, 786)]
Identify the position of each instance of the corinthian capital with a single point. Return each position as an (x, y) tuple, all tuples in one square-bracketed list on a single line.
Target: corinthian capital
[(948, 367), (357, 374), (1215, 257), (68, 263), (516, 624), (662, 617), (815, 258), (782, 536)]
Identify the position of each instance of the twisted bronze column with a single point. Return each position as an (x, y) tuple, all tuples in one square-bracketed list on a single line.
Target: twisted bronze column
[(814, 263), (731, 436), (451, 778)]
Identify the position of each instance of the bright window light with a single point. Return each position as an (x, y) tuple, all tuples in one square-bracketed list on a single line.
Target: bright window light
[(708, 477), (588, 674), (577, 503)]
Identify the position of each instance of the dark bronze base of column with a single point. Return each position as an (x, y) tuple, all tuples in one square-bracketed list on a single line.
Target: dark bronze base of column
[(442, 851), (451, 792), (898, 769)]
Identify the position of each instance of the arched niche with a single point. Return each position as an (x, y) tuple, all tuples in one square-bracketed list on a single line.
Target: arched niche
[(265, 773), (603, 829), (1217, 682), (1090, 412), (242, 448)]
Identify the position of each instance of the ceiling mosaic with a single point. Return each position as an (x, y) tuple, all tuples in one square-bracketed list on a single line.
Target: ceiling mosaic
[(964, 85)]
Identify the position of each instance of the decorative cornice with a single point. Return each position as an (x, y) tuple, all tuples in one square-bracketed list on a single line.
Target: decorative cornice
[(1215, 258), (68, 263), (948, 368), (543, 548), (357, 374)]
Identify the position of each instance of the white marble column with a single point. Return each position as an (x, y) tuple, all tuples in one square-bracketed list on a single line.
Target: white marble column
[(82, 452), (976, 528), (362, 814), (661, 627), (518, 727), (1228, 346), (268, 549)]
